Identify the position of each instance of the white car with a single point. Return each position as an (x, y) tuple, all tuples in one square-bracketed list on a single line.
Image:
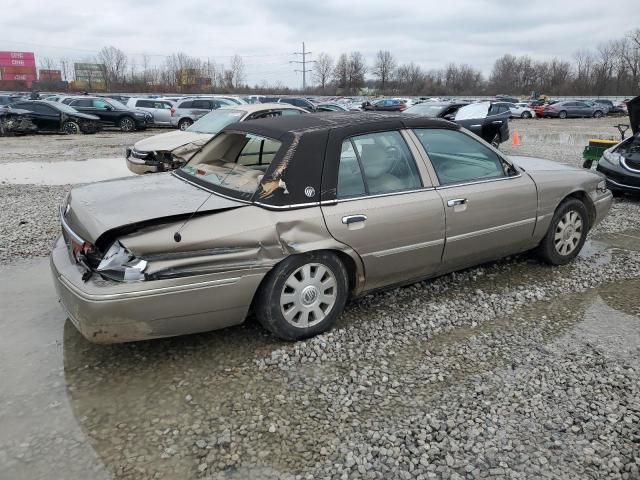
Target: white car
[(168, 151), (520, 110), (160, 109)]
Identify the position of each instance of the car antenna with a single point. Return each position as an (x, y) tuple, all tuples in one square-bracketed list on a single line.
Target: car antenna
[(177, 237)]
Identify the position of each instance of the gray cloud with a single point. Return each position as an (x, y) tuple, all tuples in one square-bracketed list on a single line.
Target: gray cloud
[(266, 32)]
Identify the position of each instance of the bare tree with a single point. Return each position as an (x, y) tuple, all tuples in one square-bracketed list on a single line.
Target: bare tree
[(357, 69), (322, 70), (384, 68), (341, 72), (237, 70), (115, 65)]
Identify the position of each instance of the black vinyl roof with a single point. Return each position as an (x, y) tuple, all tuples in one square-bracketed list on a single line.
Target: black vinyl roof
[(276, 127)]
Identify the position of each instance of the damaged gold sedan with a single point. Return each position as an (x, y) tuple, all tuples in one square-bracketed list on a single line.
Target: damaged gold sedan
[(291, 216)]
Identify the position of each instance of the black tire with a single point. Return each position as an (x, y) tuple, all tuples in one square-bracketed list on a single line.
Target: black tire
[(127, 124), (496, 140), (525, 115), (598, 114), (185, 123), (268, 299), (71, 128), (547, 249), (562, 114)]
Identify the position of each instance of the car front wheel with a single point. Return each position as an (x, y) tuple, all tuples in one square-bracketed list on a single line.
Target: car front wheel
[(127, 124), (303, 295), (567, 233), (525, 115), (597, 114), (70, 128), (562, 114)]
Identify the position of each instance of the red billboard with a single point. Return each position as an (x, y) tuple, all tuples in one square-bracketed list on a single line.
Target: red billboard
[(17, 59)]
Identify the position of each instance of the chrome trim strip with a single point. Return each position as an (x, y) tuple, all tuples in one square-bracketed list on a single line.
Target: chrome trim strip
[(144, 293), (499, 228), (622, 184), (623, 162), (67, 229), (407, 248), (501, 179), (379, 195), (286, 207)]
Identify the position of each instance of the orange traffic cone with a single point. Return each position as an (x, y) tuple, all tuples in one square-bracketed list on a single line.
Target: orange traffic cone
[(516, 137)]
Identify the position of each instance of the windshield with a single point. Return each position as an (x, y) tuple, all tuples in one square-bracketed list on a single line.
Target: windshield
[(475, 110), (62, 107), (425, 109), (116, 103), (235, 162), (216, 120)]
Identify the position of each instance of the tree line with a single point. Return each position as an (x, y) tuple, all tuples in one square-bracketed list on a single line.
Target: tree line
[(613, 68)]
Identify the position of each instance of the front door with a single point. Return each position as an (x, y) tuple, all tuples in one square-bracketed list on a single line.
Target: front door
[(490, 206), (387, 210)]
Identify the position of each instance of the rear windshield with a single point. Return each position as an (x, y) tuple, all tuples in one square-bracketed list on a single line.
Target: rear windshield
[(215, 121), (233, 163)]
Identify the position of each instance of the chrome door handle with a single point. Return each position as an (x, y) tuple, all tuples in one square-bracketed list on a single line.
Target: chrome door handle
[(456, 201), (353, 219)]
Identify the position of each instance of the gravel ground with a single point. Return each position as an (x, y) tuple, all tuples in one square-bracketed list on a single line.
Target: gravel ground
[(508, 370)]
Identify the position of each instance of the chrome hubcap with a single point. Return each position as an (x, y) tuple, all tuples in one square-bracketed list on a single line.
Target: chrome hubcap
[(308, 295), (568, 233)]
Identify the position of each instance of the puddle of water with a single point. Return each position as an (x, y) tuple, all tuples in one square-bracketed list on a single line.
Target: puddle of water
[(64, 173)]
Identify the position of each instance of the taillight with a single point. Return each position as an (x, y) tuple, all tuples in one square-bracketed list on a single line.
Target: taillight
[(173, 110)]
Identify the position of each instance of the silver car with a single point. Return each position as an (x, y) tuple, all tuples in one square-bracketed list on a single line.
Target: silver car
[(171, 150), (191, 109), (291, 216), (160, 109)]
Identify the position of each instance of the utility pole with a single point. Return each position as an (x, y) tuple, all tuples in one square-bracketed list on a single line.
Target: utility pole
[(304, 62)]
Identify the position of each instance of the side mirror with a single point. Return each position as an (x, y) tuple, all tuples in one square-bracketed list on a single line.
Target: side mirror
[(451, 117)]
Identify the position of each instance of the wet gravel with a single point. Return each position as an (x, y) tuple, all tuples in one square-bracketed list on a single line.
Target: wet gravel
[(508, 370)]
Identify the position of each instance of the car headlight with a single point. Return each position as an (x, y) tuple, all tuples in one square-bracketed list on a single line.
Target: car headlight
[(121, 265), (602, 187), (612, 157)]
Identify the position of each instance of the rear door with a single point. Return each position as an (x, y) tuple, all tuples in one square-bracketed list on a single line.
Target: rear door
[(386, 208), (162, 112), (490, 206)]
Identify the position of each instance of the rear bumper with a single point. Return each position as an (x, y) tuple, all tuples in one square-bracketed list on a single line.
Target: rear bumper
[(109, 312)]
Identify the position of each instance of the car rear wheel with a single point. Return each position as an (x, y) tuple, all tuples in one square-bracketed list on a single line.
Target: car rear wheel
[(70, 128), (562, 114), (567, 233), (185, 123), (127, 124), (303, 295), (597, 114), (525, 115)]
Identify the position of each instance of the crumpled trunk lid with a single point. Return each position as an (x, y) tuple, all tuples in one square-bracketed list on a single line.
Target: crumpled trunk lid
[(95, 209)]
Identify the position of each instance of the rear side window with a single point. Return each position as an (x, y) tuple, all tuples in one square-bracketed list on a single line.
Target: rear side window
[(383, 164), (204, 104), (84, 102), (186, 104), (144, 104), (459, 158)]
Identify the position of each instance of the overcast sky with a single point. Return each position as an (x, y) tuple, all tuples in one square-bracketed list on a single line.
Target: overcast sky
[(267, 32)]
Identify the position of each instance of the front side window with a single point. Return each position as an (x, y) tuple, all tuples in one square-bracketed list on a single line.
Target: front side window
[(233, 162), (100, 104), (144, 104), (459, 158), (383, 164)]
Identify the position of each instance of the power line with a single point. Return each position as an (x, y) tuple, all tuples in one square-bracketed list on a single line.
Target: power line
[(304, 62)]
